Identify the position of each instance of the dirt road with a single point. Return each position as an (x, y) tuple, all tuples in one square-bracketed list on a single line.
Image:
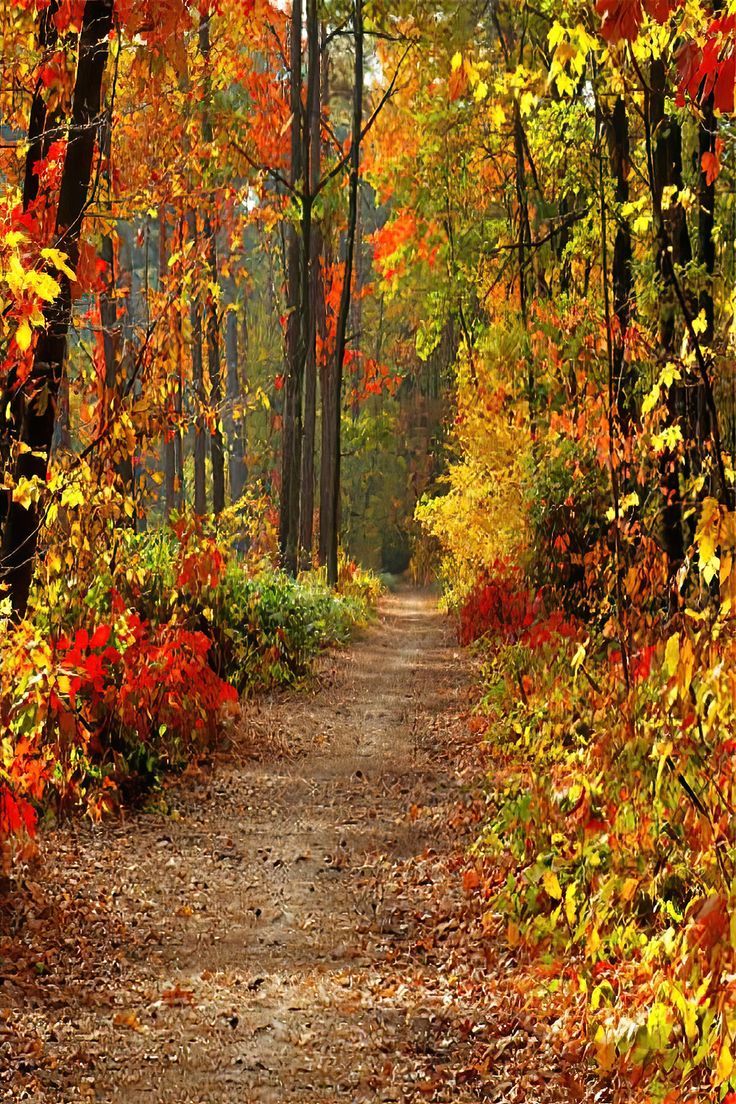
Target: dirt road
[(270, 935)]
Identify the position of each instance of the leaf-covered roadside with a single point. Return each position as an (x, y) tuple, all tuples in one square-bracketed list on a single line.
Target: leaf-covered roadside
[(605, 856)]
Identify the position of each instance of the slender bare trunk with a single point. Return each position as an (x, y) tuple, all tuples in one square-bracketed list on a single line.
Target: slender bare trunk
[(672, 234), (237, 427), (214, 360), (313, 136), (331, 434), (292, 419), (623, 276), (200, 428)]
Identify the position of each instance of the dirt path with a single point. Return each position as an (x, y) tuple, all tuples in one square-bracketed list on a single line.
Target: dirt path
[(273, 934)]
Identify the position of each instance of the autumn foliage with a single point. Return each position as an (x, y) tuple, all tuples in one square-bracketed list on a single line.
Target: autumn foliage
[(583, 526), (446, 280)]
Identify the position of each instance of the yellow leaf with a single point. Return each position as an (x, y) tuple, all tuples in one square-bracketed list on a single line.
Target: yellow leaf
[(605, 1050), (724, 1066), (25, 492), (672, 654), (556, 34), (24, 336), (706, 536), (59, 260), (700, 324), (629, 888), (71, 497), (43, 285), (552, 885)]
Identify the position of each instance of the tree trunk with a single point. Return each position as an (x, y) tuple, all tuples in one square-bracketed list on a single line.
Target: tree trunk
[(40, 125), (214, 365), (330, 475), (313, 145), (170, 420), (623, 276), (525, 257), (41, 128), (237, 429), (200, 429), (699, 414), (708, 134), (214, 362), (672, 234), (356, 314), (111, 328), (174, 483), (36, 431), (292, 419)]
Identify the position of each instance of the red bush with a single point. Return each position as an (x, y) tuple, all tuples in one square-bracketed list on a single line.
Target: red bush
[(502, 607)]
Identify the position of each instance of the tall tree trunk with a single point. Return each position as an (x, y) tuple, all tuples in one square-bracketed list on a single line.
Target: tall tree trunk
[(111, 328), (313, 137), (356, 313), (292, 419), (237, 427), (115, 366), (214, 366), (200, 428), (330, 475), (40, 126), (41, 130), (214, 361), (40, 395), (707, 138), (525, 256), (623, 275), (672, 235), (170, 419), (174, 483)]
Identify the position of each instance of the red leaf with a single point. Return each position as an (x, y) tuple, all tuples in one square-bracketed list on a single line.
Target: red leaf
[(724, 96), (621, 19), (661, 10), (100, 637)]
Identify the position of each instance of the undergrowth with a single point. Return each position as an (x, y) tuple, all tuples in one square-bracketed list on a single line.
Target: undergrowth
[(609, 840), (137, 672)]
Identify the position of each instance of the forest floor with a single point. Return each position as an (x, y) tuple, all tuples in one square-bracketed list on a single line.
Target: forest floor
[(289, 923)]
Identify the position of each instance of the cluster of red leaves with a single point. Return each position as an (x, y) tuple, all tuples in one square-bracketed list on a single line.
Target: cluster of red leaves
[(151, 683), (160, 677), (201, 560), (502, 607), (622, 19), (17, 809), (402, 239), (706, 68), (166, 680), (370, 377), (710, 69)]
